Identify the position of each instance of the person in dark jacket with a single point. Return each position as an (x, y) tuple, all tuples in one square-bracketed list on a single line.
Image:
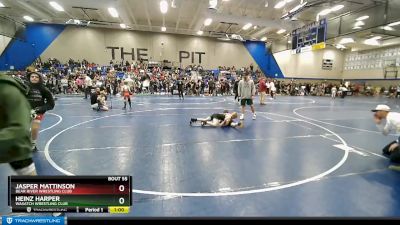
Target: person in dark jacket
[(235, 89), (41, 101), (93, 99), (15, 121), (211, 87), (180, 84)]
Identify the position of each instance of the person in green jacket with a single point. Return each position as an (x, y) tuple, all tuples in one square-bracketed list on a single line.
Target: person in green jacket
[(15, 122)]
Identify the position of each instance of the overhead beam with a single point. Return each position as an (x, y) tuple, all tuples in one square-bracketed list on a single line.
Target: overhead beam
[(146, 11), (100, 15), (130, 13), (123, 9), (196, 15), (218, 26), (201, 14), (31, 9), (242, 12), (262, 7), (240, 6), (179, 16), (261, 32), (45, 9)]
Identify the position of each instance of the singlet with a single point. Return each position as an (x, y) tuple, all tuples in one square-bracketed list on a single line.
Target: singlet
[(218, 116), (126, 90)]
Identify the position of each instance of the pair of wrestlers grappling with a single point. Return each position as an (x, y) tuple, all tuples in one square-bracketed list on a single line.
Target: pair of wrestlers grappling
[(225, 119)]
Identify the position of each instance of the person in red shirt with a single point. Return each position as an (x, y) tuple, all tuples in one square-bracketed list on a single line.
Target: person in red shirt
[(262, 88)]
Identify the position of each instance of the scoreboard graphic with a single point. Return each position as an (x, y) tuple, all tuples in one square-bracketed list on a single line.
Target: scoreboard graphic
[(309, 37), (77, 194)]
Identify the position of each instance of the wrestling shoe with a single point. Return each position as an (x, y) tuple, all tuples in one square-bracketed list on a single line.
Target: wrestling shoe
[(34, 148)]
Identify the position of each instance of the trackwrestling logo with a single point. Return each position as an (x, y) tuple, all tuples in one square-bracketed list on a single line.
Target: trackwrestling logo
[(32, 220)]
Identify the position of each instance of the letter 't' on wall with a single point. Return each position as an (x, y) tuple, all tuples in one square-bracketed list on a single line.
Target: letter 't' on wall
[(112, 51)]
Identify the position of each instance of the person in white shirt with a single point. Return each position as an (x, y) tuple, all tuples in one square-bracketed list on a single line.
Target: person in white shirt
[(130, 82), (333, 91), (392, 150), (88, 85), (64, 84), (342, 91), (272, 89)]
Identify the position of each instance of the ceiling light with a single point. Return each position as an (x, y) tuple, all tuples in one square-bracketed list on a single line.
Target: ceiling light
[(376, 38), (200, 32), (163, 29), (164, 6), (356, 28), (77, 22), (362, 18), (325, 12), (339, 46), (337, 7), (281, 31), (122, 25), (1, 5), (394, 24), (224, 39), (280, 4), (372, 41), (173, 4), (235, 37), (346, 41), (266, 4), (28, 18), (263, 39), (207, 22), (297, 7), (359, 24), (56, 6), (247, 26), (387, 28), (289, 1), (212, 4), (255, 27), (113, 12)]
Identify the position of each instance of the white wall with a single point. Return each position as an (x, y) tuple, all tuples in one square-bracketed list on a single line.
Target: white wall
[(3, 43), (280, 45), (309, 64), (90, 43)]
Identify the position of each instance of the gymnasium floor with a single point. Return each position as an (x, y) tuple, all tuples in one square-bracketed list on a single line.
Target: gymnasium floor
[(303, 156)]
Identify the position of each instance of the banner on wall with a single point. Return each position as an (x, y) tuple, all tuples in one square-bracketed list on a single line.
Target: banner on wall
[(309, 48)]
